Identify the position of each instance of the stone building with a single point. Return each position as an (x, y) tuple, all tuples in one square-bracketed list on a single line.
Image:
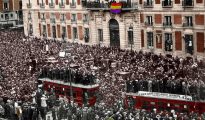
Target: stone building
[(173, 27), (11, 13)]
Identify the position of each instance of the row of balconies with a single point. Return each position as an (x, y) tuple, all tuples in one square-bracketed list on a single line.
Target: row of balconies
[(169, 24), (92, 5), (169, 4), (52, 5), (53, 20)]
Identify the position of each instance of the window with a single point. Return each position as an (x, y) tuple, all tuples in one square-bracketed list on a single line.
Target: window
[(150, 39), (147, 3), (62, 17), (51, 4), (189, 44), (100, 35), (64, 32), (75, 33), (5, 6), (30, 29), (54, 31), (42, 16), (11, 15), (6, 16), (52, 18), (168, 42), (73, 3), (167, 21), (85, 17), (2, 16), (73, 19), (44, 31), (167, 3), (188, 3), (29, 15), (149, 21), (86, 35), (188, 21)]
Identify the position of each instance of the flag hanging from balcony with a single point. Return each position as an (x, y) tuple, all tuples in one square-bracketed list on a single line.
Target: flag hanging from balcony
[(115, 8)]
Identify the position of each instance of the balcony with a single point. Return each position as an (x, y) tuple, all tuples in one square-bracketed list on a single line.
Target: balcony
[(61, 5), (148, 23), (51, 5), (73, 4), (43, 19), (148, 4), (52, 20), (188, 4), (188, 25), (97, 6), (85, 21), (166, 24), (28, 5), (73, 21), (167, 4), (42, 5), (62, 20)]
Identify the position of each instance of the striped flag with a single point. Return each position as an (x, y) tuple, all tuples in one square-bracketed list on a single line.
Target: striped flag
[(115, 8)]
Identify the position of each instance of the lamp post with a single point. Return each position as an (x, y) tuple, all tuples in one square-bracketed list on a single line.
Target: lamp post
[(130, 35)]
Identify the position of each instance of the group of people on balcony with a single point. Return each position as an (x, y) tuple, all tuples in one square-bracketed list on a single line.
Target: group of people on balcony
[(106, 4)]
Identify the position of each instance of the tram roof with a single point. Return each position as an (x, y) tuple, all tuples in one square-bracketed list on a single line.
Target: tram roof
[(68, 83)]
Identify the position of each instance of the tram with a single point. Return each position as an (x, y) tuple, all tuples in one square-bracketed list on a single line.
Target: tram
[(163, 101), (81, 94)]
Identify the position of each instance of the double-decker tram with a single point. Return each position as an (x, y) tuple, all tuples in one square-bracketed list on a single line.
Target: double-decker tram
[(163, 101), (70, 84)]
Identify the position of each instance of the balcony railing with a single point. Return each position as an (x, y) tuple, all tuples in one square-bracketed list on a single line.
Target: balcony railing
[(42, 5), (29, 5), (189, 25), (61, 5), (148, 23), (187, 4), (85, 21), (73, 21), (148, 4), (62, 20), (106, 6), (73, 4), (43, 19), (53, 20), (167, 4), (51, 5), (166, 24)]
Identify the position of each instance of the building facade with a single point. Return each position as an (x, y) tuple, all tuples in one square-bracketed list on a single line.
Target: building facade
[(175, 27), (11, 13)]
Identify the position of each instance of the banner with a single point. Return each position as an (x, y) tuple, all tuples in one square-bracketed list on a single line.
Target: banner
[(165, 95)]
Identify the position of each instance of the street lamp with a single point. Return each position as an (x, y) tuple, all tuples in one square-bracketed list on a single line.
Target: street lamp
[(130, 35)]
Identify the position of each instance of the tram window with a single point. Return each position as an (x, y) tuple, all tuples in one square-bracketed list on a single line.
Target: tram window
[(74, 94), (152, 103), (176, 105), (145, 104), (185, 106)]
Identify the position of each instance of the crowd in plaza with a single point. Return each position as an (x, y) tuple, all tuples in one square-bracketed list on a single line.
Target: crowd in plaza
[(23, 59)]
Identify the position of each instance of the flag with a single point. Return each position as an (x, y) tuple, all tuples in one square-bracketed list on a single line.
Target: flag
[(115, 8)]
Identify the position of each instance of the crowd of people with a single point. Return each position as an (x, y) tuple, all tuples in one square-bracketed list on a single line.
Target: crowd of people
[(48, 107), (66, 74), (23, 59)]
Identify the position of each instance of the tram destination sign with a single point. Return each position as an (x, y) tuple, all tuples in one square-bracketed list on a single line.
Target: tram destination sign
[(165, 95)]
